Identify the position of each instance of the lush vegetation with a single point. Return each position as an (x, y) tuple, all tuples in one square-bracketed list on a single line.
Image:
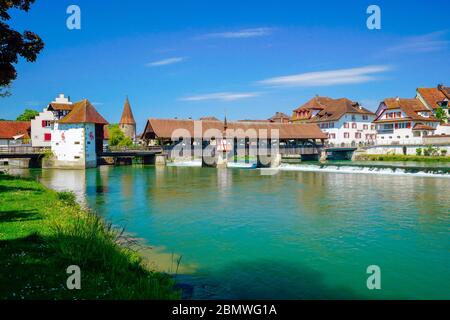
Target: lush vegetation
[(117, 138), (27, 115), (398, 157), (15, 44), (441, 114), (42, 232)]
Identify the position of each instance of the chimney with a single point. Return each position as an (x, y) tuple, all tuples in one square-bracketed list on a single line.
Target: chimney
[(397, 98), (440, 87)]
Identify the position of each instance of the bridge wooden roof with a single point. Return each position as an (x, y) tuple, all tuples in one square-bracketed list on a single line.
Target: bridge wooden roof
[(165, 128), (10, 129)]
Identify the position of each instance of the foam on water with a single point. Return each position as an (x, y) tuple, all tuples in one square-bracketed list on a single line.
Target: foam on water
[(413, 171)]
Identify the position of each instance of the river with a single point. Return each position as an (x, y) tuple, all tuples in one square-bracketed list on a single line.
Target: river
[(300, 233)]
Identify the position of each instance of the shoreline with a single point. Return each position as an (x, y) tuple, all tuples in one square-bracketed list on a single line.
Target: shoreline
[(41, 237)]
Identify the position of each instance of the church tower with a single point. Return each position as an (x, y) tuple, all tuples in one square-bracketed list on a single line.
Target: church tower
[(127, 123)]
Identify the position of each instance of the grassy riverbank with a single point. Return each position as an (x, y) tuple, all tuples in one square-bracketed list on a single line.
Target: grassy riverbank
[(42, 232), (395, 157)]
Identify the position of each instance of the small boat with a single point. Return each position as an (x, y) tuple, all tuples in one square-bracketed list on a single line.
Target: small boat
[(241, 165)]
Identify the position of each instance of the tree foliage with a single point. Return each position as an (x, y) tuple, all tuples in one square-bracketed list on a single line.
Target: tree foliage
[(14, 44), (440, 114), (27, 115), (117, 138)]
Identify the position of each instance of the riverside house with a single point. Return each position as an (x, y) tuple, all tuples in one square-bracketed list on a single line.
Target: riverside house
[(435, 98), (404, 121), (77, 138), (345, 122)]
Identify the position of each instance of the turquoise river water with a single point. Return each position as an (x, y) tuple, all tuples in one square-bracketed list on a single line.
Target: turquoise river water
[(304, 232)]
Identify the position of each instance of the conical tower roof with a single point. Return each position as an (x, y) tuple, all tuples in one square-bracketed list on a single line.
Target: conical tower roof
[(83, 112), (127, 114)]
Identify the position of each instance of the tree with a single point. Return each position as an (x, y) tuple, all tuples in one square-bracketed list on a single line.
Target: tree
[(117, 138), (440, 114), (27, 115), (14, 44)]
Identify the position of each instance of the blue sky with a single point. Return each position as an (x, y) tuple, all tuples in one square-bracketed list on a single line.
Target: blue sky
[(246, 58)]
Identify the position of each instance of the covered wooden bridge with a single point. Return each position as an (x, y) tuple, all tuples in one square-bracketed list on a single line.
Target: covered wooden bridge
[(235, 138)]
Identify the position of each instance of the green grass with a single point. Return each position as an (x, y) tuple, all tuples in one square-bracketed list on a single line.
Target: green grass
[(395, 157), (42, 232)]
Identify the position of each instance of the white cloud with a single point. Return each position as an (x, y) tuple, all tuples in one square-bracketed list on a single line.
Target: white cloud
[(240, 34), (165, 62), (424, 43), (221, 96), (327, 78)]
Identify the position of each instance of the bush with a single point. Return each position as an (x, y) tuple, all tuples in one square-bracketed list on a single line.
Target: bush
[(118, 138), (67, 197), (443, 152), (419, 151)]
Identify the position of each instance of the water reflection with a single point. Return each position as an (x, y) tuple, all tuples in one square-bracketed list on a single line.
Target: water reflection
[(234, 228)]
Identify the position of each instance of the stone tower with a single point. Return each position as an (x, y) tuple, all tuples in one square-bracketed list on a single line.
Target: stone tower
[(127, 123)]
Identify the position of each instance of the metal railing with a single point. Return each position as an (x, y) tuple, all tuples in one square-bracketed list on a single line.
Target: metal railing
[(22, 149)]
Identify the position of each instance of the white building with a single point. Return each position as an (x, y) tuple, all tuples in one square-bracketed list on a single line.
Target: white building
[(346, 122), (404, 122), (78, 137), (41, 125)]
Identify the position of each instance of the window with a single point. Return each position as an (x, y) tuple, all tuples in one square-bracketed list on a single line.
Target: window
[(346, 135), (353, 117), (357, 135), (372, 127), (366, 126), (47, 137), (346, 125), (46, 124), (77, 142), (416, 133), (354, 126)]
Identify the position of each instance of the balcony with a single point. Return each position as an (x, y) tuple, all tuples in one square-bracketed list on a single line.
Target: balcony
[(385, 131)]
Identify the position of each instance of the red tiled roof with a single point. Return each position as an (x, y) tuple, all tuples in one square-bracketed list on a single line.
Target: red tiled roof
[(83, 112), (164, 128), (432, 96), (209, 119), (329, 109), (10, 129), (127, 114), (280, 117), (410, 107)]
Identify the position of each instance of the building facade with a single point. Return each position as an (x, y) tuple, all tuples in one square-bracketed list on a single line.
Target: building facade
[(404, 121), (42, 125), (345, 122), (77, 139)]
